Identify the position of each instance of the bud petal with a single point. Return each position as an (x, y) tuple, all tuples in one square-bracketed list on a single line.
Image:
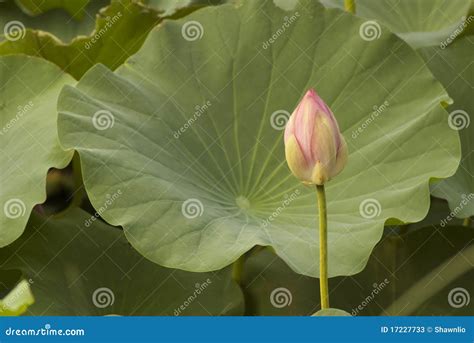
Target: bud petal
[(314, 147)]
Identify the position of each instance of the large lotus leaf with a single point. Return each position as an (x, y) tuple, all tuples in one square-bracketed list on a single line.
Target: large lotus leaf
[(76, 8), (120, 30), (13, 21), (80, 266), (28, 137), (398, 264), (17, 301), (419, 22), (454, 68), (189, 128)]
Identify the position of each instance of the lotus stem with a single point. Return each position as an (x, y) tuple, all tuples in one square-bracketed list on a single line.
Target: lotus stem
[(323, 247), (238, 269), (466, 222), (349, 6)]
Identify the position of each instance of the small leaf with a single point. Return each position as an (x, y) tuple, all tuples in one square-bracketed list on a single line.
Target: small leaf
[(331, 312), (17, 301)]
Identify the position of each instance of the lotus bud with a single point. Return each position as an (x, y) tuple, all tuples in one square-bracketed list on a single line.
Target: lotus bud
[(314, 147)]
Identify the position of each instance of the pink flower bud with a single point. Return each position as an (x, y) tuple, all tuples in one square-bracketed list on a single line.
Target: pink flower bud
[(314, 147)]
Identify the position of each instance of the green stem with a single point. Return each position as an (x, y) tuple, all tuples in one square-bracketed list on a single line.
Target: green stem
[(466, 222), (323, 247), (350, 6), (238, 269)]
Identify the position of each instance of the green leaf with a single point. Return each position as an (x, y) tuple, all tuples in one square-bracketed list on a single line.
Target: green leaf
[(14, 22), (17, 301), (76, 8), (189, 128), (454, 68), (419, 22), (331, 312), (120, 30), (28, 137), (81, 266)]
